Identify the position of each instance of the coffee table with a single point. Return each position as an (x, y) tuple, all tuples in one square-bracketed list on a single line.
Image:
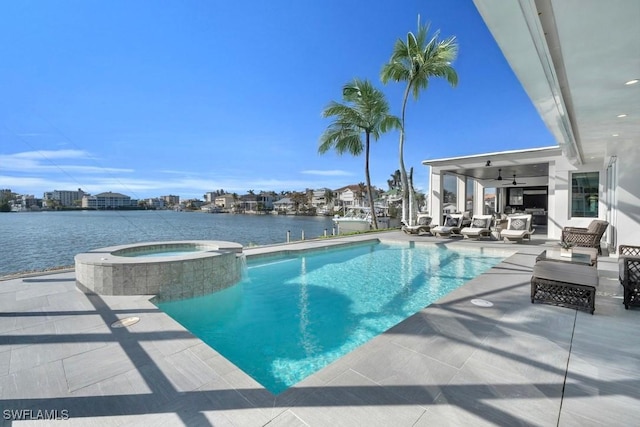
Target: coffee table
[(553, 254)]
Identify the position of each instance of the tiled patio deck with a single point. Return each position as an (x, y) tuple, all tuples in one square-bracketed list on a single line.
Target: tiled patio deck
[(453, 363)]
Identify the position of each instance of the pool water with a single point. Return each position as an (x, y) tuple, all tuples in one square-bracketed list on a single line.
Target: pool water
[(292, 316), (150, 253)]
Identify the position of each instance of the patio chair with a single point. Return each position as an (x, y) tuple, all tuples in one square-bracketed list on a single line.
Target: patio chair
[(629, 274), (586, 237), (480, 227), (452, 225), (423, 225), (519, 227)]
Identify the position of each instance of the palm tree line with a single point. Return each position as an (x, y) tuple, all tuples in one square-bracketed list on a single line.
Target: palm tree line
[(365, 111)]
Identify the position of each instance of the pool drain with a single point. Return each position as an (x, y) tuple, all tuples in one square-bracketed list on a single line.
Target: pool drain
[(127, 321), (481, 303)]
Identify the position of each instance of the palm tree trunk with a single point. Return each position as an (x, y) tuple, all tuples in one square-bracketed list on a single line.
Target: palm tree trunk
[(403, 171), (366, 171)]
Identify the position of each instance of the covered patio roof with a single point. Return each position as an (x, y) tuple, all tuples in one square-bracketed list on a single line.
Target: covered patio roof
[(579, 62), (487, 167)]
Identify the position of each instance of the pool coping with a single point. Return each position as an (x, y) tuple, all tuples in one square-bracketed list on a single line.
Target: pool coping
[(410, 375)]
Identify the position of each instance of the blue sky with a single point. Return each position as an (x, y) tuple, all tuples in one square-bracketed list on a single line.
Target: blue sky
[(182, 97)]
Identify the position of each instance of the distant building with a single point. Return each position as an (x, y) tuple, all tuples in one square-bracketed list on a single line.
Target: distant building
[(224, 201), (192, 203), (210, 196), (171, 200), (353, 196), (156, 203), (65, 198), (255, 202), (108, 200), (284, 205)]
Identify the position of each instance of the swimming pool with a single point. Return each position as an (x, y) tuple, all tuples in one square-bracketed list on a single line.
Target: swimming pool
[(294, 315)]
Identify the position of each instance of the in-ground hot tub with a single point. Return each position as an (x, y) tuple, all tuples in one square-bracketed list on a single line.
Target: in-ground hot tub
[(169, 270)]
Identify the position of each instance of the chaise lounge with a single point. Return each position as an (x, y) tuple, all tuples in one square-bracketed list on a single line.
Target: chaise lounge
[(629, 274), (423, 225), (480, 227), (452, 225), (518, 228)]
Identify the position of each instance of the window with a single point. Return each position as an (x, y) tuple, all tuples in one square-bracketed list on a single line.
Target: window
[(584, 194), (450, 190), (516, 196), (490, 199), (469, 196)]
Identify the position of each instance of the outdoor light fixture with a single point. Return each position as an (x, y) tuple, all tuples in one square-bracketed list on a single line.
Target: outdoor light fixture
[(488, 163)]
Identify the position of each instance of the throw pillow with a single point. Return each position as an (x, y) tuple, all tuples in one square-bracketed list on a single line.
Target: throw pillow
[(424, 220), (452, 222), (518, 224), (479, 223)]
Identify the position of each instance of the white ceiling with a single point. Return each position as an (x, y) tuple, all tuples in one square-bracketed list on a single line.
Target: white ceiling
[(573, 58)]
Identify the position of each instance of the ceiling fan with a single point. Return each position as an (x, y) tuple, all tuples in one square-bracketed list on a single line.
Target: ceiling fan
[(499, 178), (515, 182)]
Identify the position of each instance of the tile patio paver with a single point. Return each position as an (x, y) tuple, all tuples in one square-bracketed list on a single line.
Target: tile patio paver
[(452, 363)]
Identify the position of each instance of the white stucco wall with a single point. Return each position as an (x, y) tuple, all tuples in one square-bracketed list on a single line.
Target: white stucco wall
[(560, 196), (628, 195)]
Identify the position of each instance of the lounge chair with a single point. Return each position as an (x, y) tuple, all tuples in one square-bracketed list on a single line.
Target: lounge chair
[(629, 270), (586, 237), (452, 225), (519, 227), (423, 225), (480, 227)]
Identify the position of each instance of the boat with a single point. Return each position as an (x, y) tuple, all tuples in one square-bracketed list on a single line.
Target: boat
[(359, 219)]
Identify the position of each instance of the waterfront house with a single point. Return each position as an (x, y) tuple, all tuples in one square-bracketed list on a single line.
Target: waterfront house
[(224, 201), (255, 202), (284, 205), (590, 107)]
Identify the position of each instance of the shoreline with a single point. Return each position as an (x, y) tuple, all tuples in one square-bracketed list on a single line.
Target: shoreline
[(30, 273)]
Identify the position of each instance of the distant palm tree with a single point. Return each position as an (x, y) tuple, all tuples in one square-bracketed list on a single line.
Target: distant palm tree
[(361, 191), (328, 197), (365, 111), (396, 180), (414, 61)]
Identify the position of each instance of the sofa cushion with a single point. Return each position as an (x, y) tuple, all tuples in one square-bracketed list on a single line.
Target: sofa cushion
[(566, 272)]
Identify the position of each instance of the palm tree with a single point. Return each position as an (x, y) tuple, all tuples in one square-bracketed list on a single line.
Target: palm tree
[(365, 111), (415, 61), (328, 197)]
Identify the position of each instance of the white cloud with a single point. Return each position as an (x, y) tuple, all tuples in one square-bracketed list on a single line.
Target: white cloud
[(334, 172), (50, 161), (50, 154)]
